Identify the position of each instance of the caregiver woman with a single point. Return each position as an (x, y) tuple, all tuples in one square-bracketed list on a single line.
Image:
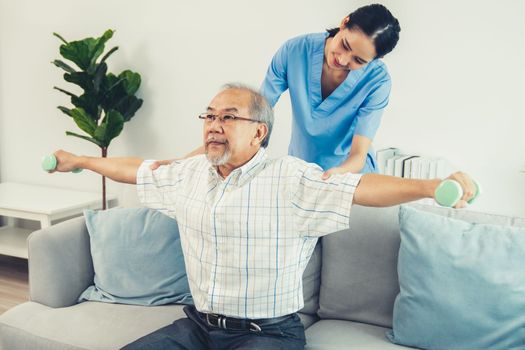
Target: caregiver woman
[(338, 89)]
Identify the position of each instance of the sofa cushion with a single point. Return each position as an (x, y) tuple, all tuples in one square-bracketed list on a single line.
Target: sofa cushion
[(60, 264), (137, 258), (89, 325), (358, 274), (462, 284), (311, 282), (359, 270), (347, 335)]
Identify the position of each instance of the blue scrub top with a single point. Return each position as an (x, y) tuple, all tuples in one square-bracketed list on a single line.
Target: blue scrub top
[(322, 130)]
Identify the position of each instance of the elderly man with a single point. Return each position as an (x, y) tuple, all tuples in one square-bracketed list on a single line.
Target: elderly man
[(248, 224)]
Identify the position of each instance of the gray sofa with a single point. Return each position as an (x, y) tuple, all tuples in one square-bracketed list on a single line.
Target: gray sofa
[(349, 289)]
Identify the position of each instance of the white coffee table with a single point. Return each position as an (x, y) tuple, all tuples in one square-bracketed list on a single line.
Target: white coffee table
[(39, 203)]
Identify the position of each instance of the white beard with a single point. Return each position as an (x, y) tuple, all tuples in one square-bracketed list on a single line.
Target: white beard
[(219, 160)]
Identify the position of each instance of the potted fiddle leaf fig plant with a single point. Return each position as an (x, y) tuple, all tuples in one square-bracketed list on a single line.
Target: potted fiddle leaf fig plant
[(106, 102)]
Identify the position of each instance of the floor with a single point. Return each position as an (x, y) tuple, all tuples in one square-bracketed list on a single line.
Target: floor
[(14, 287)]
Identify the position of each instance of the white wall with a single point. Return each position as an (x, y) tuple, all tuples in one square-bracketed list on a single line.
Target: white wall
[(457, 80)]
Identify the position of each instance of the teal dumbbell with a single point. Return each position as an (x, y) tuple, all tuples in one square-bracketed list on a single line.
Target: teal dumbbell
[(49, 163), (449, 192)]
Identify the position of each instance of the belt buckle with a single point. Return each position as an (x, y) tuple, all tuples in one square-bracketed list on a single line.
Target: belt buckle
[(219, 321), (254, 327)]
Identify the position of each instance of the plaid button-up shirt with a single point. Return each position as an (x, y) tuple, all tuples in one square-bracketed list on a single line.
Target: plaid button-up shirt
[(247, 238)]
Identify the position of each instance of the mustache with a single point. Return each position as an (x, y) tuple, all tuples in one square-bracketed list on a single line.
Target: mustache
[(214, 138)]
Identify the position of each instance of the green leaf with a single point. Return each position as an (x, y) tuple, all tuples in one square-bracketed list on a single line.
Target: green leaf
[(112, 81), (64, 91), (78, 52), (128, 106), (82, 79), (110, 128), (84, 53), (69, 133), (84, 121), (62, 39), (100, 74), (109, 53), (65, 110), (64, 66), (131, 81), (99, 47), (112, 92), (89, 103)]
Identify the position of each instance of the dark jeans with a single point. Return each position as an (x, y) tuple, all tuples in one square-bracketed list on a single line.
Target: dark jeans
[(194, 333)]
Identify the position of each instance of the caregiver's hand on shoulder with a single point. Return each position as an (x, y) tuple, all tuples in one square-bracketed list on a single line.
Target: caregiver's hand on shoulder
[(355, 162), (158, 163), (333, 171)]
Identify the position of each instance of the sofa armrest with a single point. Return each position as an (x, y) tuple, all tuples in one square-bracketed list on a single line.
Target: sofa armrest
[(60, 264)]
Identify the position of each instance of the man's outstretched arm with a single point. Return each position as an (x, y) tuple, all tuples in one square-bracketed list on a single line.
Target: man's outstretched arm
[(381, 191), (117, 169)]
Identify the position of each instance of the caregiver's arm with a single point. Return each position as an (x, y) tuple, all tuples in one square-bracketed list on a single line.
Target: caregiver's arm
[(381, 190), (195, 152), (368, 120), (117, 169), (356, 158)]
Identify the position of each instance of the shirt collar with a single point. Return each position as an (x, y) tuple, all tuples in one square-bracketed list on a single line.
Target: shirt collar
[(244, 172)]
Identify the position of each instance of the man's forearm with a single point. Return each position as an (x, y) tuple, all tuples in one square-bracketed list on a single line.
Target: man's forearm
[(382, 191), (117, 169)]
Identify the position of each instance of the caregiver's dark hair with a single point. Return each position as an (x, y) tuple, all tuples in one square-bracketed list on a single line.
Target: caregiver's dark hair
[(378, 24)]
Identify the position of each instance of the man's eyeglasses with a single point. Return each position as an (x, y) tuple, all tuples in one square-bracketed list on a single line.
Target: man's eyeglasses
[(225, 118)]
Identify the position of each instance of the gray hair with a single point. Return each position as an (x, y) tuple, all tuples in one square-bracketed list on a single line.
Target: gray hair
[(260, 109)]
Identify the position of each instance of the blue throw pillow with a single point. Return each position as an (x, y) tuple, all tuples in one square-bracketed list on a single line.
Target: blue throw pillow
[(137, 258), (462, 285)]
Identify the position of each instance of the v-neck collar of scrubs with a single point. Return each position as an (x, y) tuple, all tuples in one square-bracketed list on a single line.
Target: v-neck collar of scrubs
[(318, 104)]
